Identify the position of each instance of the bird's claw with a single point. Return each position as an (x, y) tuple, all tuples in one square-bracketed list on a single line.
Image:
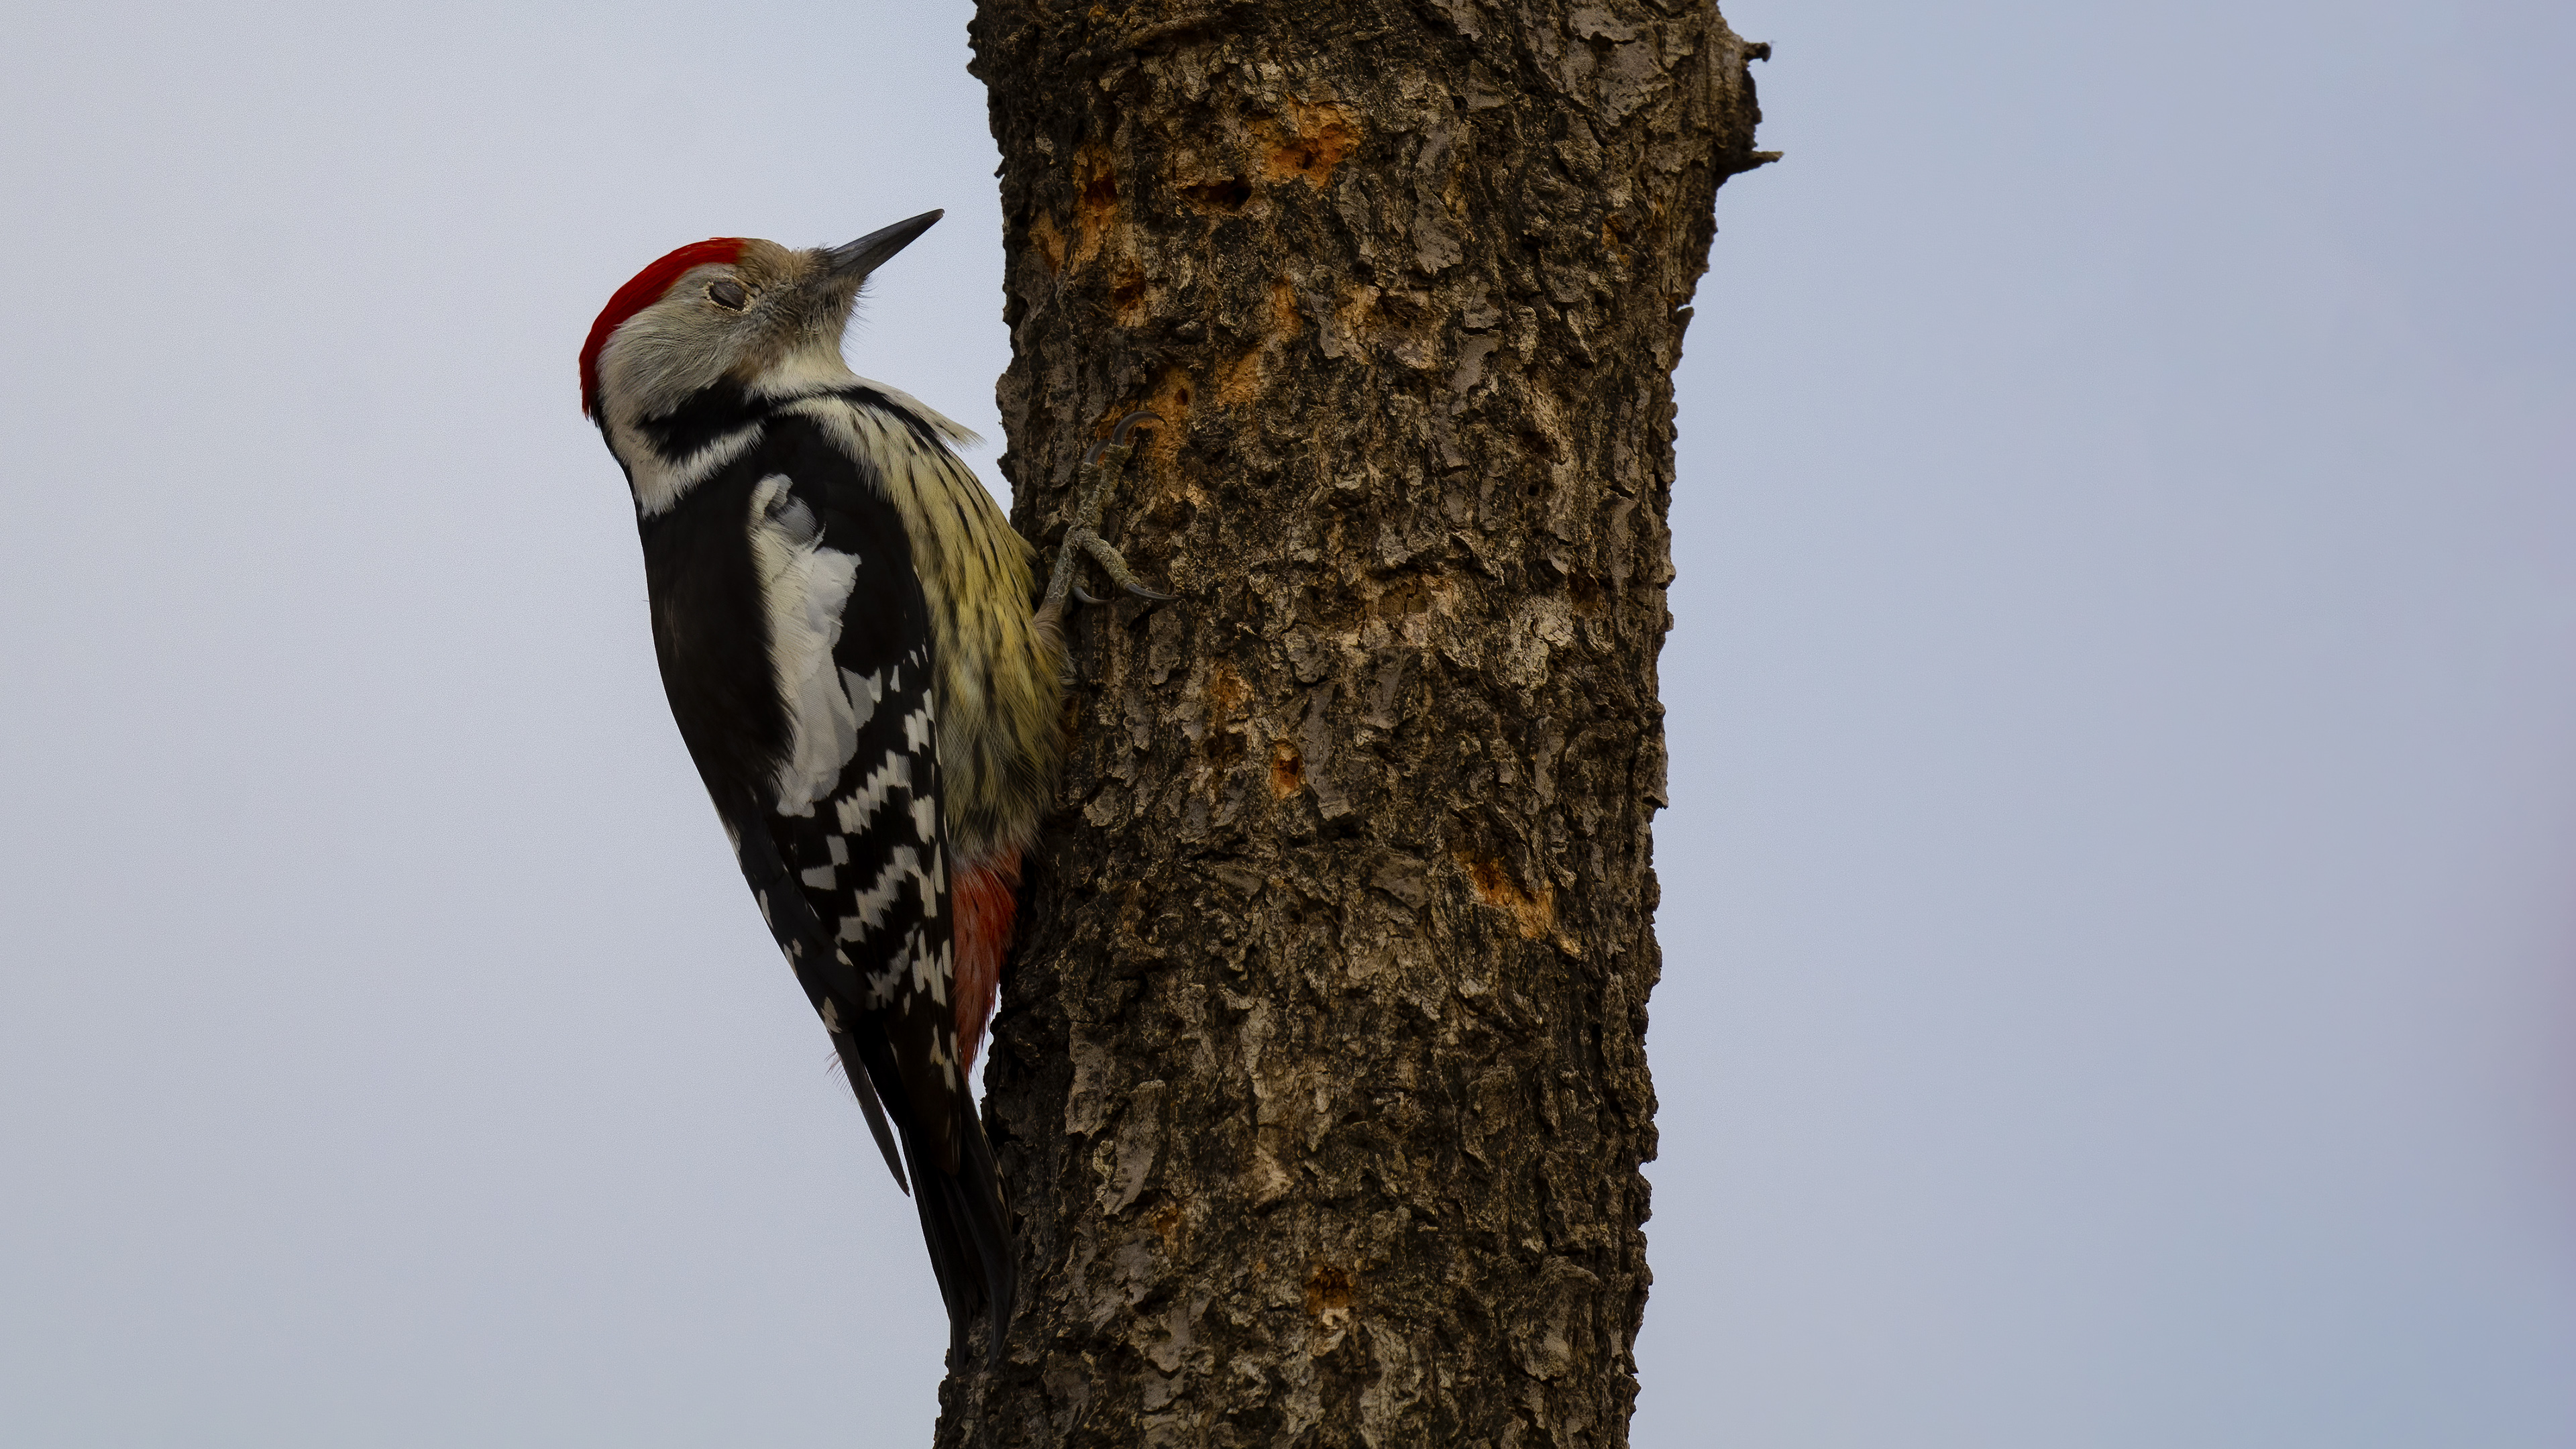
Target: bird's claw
[(1118, 435), (1100, 467), (1116, 567)]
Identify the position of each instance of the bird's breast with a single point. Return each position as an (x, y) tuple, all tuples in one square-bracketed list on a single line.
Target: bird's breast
[(998, 686)]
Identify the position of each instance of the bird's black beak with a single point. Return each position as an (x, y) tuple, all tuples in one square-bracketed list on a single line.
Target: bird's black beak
[(869, 252)]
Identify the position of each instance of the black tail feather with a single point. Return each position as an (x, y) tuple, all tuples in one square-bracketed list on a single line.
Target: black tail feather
[(964, 1220), (860, 1086), (968, 1231)]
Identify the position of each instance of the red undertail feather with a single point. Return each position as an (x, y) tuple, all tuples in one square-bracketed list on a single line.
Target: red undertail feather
[(641, 291), (985, 895)]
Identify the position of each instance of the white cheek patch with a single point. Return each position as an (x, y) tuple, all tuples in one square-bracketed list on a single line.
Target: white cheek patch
[(804, 587), (659, 485)]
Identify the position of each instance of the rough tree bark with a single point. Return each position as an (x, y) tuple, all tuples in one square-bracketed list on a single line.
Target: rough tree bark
[(1319, 1081)]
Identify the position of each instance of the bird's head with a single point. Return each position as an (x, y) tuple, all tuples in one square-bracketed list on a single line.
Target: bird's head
[(730, 316)]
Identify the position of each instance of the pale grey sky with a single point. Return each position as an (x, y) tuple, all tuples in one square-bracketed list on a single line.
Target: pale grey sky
[(2120, 895)]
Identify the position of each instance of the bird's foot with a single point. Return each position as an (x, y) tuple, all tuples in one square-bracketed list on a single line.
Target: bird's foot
[(1100, 468)]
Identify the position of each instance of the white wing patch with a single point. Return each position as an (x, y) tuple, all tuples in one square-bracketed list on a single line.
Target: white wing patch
[(865, 690), (805, 586)]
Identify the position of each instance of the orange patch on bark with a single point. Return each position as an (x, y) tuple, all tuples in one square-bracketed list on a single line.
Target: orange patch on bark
[(1244, 377), (1532, 912), (1286, 318), (1095, 202), (1171, 397), (1226, 691), (1287, 770), (1240, 383), (1306, 143), (1329, 1292)]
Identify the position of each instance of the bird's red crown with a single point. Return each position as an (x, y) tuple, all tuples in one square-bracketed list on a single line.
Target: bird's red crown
[(640, 292)]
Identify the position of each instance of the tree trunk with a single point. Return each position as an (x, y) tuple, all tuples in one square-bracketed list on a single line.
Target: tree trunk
[(1319, 1080)]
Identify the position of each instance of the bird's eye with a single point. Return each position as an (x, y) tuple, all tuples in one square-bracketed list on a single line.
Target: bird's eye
[(728, 294)]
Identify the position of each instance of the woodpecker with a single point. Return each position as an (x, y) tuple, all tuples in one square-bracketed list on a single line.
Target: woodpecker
[(843, 620)]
